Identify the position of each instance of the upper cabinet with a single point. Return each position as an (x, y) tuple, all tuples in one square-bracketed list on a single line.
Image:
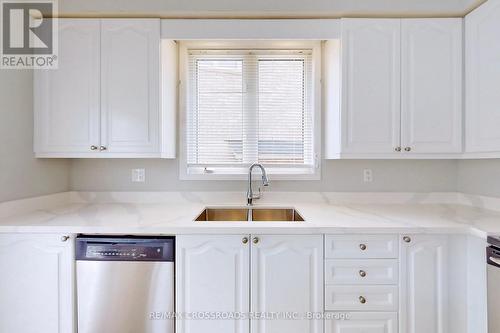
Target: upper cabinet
[(370, 85), (400, 91), (482, 117), (431, 85), (130, 78), (66, 100), (104, 99)]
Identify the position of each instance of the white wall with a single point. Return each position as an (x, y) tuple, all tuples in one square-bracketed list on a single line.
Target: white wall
[(21, 175), (343, 175), (266, 8), (479, 177)]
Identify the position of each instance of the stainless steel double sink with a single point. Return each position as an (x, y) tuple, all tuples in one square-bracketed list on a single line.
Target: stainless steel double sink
[(249, 214)]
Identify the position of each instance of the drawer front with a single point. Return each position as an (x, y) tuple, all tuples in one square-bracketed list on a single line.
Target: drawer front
[(365, 322), (361, 298), (361, 271), (361, 246)]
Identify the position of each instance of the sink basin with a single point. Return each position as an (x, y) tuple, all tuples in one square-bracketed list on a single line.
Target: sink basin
[(213, 214), (276, 215), (223, 214)]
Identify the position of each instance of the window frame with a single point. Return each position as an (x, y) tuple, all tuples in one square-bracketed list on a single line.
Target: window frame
[(240, 173)]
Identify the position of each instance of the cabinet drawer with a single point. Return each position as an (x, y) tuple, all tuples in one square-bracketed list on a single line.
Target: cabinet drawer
[(366, 322), (361, 298), (361, 271), (361, 246)]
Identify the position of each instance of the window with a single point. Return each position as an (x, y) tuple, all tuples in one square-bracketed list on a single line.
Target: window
[(249, 105)]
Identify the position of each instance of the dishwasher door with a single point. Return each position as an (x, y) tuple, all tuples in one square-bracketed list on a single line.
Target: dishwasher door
[(125, 286), (493, 261)]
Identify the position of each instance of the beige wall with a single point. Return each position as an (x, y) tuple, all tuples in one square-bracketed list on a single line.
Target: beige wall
[(479, 177), (21, 175), (344, 175)]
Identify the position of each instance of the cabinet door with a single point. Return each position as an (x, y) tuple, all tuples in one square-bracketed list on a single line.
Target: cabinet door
[(36, 284), (431, 85), (362, 322), (212, 275), (287, 277), (130, 77), (66, 100), (370, 85), (483, 78), (423, 301)]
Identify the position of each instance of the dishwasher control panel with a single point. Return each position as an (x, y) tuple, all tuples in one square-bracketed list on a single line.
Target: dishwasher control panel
[(125, 248)]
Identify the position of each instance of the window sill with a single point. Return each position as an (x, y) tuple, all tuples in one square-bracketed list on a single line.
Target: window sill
[(198, 173)]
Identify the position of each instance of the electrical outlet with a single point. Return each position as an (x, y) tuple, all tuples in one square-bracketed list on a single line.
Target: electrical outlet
[(367, 175), (138, 175)]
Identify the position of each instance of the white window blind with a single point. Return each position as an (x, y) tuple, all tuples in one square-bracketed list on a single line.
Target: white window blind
[(246, 106)]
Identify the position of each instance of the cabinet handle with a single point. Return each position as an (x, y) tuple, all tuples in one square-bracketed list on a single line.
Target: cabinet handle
[(64, 238), (362, 300), (362, 273), (101, 148), (408, 149), (398, 149), (93, 147), (244, 240), (255, 240), (406, 239), (362, 247)]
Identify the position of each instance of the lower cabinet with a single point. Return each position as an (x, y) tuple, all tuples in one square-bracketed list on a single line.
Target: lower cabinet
[(249, 283), (362, 322), (212, 278), (37, 283), (424, 298)]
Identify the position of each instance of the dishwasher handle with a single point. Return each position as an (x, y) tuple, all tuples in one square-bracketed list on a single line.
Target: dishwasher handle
[(125, 248), (493, 256)]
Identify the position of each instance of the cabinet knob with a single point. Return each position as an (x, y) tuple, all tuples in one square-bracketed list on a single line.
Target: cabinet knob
[(255, 240), (406, 239), (101, 148), (362, 247), (64, 238), (408, 149), (362, 273), (362, 300), (244, 240), (398, 149), (93, 148)]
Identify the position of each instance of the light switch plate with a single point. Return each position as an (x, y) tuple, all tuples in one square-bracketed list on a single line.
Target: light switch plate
[(138, 175)]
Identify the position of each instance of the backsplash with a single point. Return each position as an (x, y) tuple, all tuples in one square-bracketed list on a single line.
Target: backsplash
[(338, 176)]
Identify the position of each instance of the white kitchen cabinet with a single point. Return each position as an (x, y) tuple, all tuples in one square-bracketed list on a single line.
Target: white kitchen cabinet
[(67, 116), (287, 276), (363, 322), (400, 83), (424, 294), (278, 274), (431, 85), (361, 246), (371, 73), (482, 116), (37, 283), (212, 275), (130, 79), (104, 100)]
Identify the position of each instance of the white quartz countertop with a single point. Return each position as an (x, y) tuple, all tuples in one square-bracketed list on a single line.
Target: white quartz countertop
[(170, 213)]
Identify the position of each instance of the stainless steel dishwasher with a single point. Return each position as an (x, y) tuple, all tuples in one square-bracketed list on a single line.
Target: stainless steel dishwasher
[(125, 284), (493, 262)]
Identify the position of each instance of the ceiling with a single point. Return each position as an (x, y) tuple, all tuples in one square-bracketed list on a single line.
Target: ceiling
[(266, 8)]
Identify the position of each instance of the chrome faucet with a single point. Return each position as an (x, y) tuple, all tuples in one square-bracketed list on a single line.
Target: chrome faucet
[(265, 182)]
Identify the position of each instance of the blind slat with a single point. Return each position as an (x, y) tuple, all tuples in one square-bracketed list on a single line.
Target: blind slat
[(249, 106)]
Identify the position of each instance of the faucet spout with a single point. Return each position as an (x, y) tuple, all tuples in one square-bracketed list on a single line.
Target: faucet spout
[(265, 182)]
